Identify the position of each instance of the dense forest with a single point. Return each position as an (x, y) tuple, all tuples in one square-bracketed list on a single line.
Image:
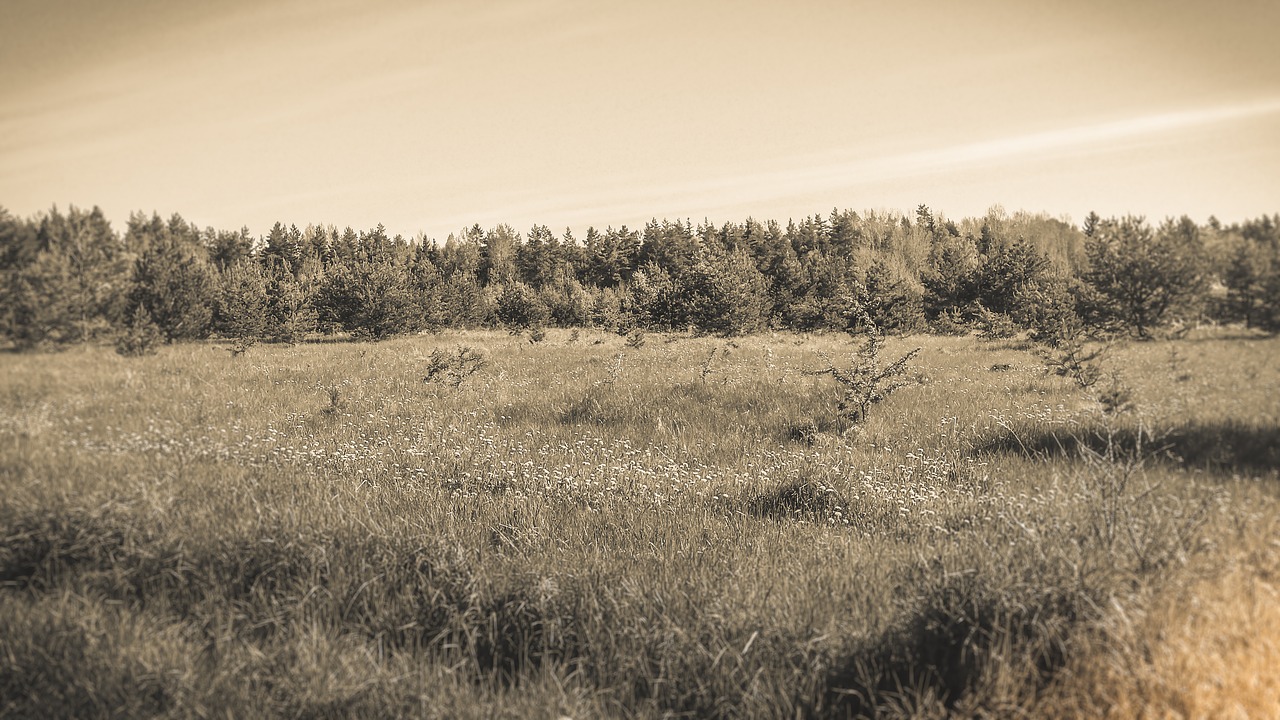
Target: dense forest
[(68, 277)]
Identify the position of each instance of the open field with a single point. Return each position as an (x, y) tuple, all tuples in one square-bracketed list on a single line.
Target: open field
[(588, 529)]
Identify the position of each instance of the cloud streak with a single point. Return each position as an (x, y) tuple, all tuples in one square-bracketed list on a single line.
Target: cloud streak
[(1079, 138), (728, 191)]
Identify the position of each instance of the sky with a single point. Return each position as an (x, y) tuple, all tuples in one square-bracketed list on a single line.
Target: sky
[(431, 116)]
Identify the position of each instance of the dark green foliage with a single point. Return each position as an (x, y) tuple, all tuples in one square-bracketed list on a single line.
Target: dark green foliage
[(726, 294), (568, 301), (453, 367), (1009, 271), (950, 321), (139, 336), (540, 258), (988, 279), (521, 308), (63, 278), (284, 249), (497, 258), (40, 306), (372, 300), (242, 310), (828, 301), (1252, 275), (290, 311), (610, 310), (463, 301), (895, 303), (428, 285), (174, 284), (993, 325), (953, 279), (611, 257), (66, 276), (228, 249), (655, 300), (1143, 276), (1043, 306)]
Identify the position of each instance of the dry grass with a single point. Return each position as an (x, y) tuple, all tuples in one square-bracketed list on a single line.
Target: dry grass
[(1210, 650), (598, 530)]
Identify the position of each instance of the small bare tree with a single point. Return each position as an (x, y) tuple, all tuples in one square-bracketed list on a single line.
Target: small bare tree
[(1069, 354), (452, 368), (868, 380)]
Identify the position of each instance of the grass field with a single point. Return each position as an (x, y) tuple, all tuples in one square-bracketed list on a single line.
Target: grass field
[(588, 529)]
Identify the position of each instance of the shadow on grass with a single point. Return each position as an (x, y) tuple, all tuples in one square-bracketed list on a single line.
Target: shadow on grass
[(1230, 446), (945, 656), (797, 499)]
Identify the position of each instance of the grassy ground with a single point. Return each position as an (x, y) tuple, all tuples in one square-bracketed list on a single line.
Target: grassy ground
[(588, 529)]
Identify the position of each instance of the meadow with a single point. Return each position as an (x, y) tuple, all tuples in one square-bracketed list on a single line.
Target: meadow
[(587, 528)]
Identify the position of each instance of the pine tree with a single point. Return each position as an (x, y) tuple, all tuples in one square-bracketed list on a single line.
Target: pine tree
[(727, 294), (241, 312), (1142, 276), (521, 308), (41, 304), (291, 312), (372, 300), (174, 284)]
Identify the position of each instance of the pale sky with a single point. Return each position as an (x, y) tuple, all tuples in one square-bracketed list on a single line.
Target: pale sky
[(430, 116)]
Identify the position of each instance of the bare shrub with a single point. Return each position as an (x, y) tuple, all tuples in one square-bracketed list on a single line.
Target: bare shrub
[(615, 369), (706, 368), (453, 367), (337, 403), (868, 380), (1132, 525), (1072, 353)]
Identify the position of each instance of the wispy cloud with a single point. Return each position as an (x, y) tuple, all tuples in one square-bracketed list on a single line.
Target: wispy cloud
[(1077, 138), (727, 191)]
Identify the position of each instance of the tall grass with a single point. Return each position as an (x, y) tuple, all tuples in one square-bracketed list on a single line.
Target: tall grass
[(593, 530)]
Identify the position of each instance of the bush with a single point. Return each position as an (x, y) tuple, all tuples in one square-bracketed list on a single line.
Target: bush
[(177, 288), (868, 380), (636, 339), (454, 367), (140, 336), (994, 325), (373, 300), (41, 312), (290, 314), (1141, 277), (1068, 353), (726, 294), (241, 312), (894, 302), (520, 308)]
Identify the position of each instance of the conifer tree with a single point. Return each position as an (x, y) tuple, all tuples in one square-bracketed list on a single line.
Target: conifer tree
[(176, 287), (1142, 275)]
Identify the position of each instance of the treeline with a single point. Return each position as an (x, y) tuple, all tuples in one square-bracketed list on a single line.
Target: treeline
[(68, 277)]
